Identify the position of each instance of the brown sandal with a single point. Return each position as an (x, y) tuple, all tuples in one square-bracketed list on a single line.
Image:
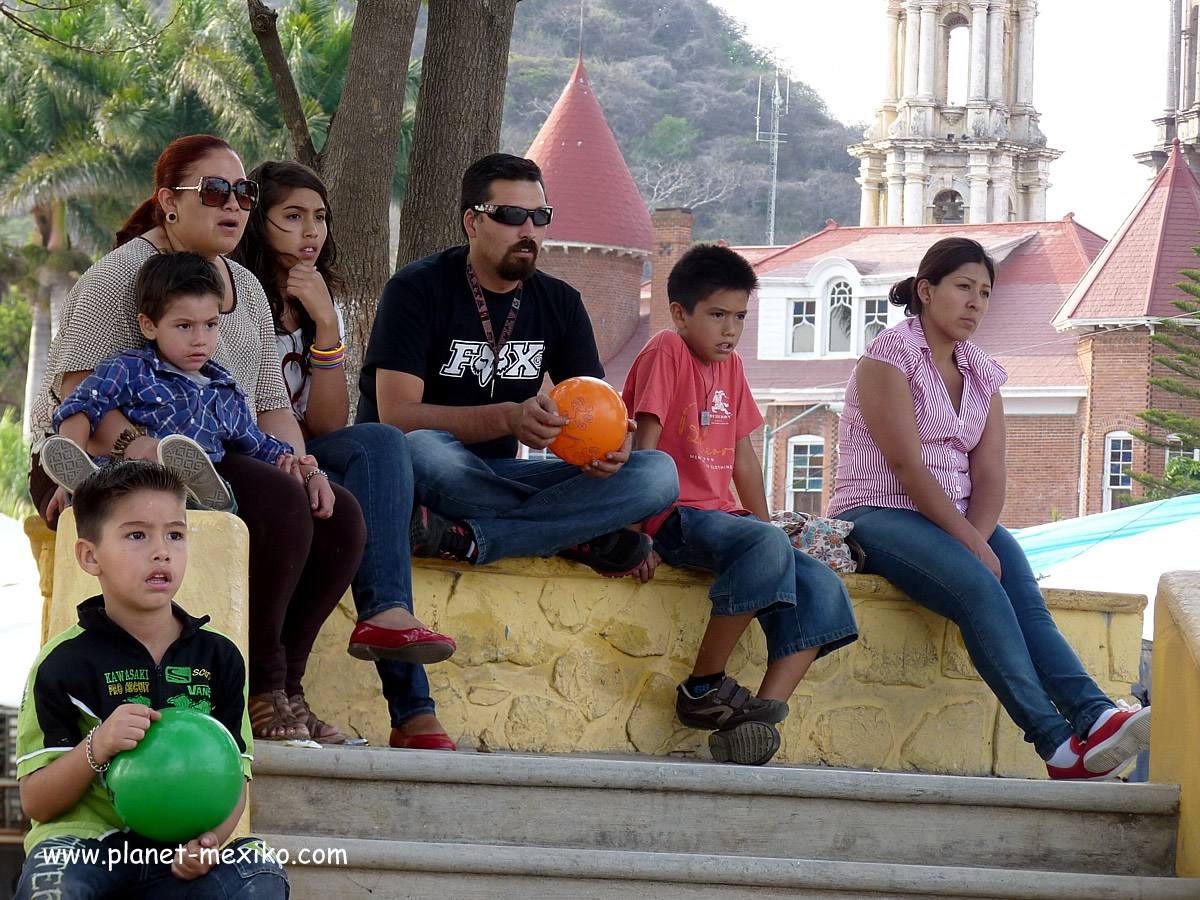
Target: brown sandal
[(304, 714), (271, 713)]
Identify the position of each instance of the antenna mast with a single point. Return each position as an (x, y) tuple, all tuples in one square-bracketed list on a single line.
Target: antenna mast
[(779, 107)]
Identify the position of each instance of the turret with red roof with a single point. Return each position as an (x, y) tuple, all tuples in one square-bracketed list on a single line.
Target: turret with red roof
[(601, 234)]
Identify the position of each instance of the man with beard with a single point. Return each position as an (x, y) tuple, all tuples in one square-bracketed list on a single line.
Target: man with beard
[(461, 344)]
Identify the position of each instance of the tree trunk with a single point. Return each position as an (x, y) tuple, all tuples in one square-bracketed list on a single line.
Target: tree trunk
[(359, 155), (39, 353), (50, 223), (458, 117)]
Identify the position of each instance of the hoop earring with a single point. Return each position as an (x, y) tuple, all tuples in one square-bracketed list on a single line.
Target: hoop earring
[(172, 217)]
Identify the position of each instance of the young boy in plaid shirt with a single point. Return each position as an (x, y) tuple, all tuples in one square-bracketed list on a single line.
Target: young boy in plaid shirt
[(170, 390)]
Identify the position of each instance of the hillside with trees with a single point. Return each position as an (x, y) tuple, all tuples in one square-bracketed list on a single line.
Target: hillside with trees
[(678, 83)]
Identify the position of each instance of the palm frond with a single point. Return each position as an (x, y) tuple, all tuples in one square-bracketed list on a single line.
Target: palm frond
[(78, 168)]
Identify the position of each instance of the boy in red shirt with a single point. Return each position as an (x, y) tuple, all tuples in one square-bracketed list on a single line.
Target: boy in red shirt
[(691, 400)]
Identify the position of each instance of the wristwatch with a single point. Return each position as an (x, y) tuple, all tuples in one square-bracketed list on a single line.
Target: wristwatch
[(124, 439)]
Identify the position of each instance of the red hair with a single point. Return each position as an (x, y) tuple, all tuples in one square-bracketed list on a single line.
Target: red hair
[(170, 170)]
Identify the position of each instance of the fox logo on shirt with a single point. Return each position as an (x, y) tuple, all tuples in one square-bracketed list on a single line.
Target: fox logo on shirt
[(519, 360)]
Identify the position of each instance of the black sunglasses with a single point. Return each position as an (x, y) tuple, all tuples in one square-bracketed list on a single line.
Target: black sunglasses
[(515, 215), (215, 190)]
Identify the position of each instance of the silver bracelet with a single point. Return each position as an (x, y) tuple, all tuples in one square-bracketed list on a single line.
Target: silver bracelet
[(87, 749), (309, 476)]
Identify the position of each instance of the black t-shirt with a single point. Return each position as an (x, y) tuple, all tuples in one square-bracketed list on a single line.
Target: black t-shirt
[(428, 326)]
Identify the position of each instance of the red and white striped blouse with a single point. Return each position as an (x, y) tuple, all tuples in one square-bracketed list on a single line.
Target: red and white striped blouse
[(863, 476)]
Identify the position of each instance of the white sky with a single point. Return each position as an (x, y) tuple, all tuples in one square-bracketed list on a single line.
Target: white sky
[(1099, 79)]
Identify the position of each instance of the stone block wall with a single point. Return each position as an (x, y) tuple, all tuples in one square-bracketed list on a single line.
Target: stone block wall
[(553, 659)]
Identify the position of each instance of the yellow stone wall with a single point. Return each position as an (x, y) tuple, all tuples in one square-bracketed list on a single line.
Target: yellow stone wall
[(553, 658), (1175, 725), (214, 585)]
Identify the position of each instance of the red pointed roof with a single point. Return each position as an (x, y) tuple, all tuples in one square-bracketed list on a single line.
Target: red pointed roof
[(587, 182), (1134, 276)]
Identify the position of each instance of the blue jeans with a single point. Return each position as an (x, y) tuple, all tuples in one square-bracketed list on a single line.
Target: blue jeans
[(525, 507), (1009, 634), (371, 461), (799, 601), (116, 866)]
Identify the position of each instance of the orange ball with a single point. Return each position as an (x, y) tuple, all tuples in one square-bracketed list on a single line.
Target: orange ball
[(598, 423)]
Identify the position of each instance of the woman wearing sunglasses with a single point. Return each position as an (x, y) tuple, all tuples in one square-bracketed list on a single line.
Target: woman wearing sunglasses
[(306, 536), (289, 246)]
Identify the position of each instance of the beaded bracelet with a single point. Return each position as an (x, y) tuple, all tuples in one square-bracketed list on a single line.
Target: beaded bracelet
[(87, 750), (309, 476), (327, 359)]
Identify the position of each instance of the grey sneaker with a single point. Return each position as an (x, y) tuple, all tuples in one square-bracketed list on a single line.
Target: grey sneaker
[(724, 706), (190, 464), (67, 464), (748, 744)]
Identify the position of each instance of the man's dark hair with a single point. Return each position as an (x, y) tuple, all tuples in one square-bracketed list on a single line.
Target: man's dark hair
[(477, 180), (165, 276), (93, 500), (706, 269)]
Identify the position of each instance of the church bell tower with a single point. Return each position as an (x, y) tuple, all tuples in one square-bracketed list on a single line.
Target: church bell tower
[(1181, 112), (957, 137)]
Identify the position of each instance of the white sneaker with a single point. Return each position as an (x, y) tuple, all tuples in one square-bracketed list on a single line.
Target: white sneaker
[(190, 464), (67, 464)]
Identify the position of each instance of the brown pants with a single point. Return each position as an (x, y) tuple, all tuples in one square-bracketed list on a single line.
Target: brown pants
[(299, 566)]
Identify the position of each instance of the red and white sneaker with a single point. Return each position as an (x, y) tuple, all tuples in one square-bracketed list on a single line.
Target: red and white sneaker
[(1122, 737), (1077, 772)]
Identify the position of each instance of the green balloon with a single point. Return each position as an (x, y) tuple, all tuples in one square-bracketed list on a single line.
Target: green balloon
[(182, 779)]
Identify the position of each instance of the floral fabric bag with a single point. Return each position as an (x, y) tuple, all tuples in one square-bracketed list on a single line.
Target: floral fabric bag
[(823, 538)]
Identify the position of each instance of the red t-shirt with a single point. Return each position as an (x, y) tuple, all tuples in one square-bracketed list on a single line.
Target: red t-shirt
[(669, 382)]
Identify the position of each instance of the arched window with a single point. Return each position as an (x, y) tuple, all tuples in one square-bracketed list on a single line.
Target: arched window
[(875, 314), (1118, 459), (806, 461), (948, 208), (804, 326), (958, 59), (1176, 449), (841, 316)]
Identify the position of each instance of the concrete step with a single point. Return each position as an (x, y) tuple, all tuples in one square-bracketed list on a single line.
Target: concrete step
[(676, 807), (400, 869)]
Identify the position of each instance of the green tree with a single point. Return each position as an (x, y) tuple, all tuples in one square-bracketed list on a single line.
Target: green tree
[(668, 139), (1180, 336), (80, 137)]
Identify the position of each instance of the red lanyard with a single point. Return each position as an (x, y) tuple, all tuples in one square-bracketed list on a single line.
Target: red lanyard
[(485, 319)]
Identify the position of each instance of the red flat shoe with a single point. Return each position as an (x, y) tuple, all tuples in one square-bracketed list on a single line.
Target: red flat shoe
[(411, 645), (438, 740)]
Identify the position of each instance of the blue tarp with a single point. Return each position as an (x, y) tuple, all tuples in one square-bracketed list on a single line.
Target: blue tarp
[(1057, 542)]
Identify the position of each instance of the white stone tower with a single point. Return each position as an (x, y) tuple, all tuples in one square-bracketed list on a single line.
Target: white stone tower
[(978, 159), (1181, 112)]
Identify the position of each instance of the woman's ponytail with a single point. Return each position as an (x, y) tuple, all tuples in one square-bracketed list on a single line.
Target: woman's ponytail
[(148, 215), (904, 293)]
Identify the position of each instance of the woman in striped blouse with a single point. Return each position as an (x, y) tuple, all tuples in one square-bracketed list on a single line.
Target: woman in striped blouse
[(921, 473)]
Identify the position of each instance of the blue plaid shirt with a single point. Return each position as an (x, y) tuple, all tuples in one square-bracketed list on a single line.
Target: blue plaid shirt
[(165, 401)]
